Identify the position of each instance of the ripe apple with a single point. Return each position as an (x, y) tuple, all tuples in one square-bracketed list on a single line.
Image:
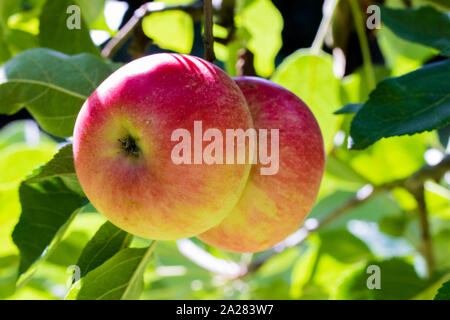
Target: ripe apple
[(122, 146), (274, 206)]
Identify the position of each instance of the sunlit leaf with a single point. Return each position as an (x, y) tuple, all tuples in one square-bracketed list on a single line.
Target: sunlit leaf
[(27, 18), (47, 207), (349, 108), (402, 56), (19, 40), (9, 214), (343, 246), (26, 131), (119, 278)]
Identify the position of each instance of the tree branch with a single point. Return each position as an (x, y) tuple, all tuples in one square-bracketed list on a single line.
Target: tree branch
[(208, 37), (427, 245), (245, 63), (146, 9), (412, 183)]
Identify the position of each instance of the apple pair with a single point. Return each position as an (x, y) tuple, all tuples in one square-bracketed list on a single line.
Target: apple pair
[(122, 150)]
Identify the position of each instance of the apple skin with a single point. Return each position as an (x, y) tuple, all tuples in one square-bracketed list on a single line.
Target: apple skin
[(274, 206), (147, 194)]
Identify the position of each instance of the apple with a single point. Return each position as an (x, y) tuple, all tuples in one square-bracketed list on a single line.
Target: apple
[(122, 146), (273, 206)]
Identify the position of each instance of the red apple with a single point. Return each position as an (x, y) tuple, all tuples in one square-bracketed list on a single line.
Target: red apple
[(122, 146), (274, 206)]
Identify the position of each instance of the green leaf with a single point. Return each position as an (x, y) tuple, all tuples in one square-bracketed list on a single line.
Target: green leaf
[(304, 268), (398, 279), (8, 8), (440, 245), (416, 102), (344, 246), (51, 85), (341, 169), (91, 10), (442, 4), (19, 40), (106, 243), (394, 226), (173, 30), (55, 34), (27, 18), (444, 292), (424, 25), (119, 278), (47, 207), (264, 23), (5, 54), (430, 292), (355, 87), (402, 56), (18, 26), (371, 211), (62, 166), (312, 79), (386, 153), (349, 108)]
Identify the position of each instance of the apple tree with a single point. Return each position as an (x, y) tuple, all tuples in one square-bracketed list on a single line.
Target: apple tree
[(380, 228)]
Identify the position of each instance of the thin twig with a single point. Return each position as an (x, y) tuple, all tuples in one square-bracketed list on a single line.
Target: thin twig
[(208, 37), (302, 234), (146, 9)]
